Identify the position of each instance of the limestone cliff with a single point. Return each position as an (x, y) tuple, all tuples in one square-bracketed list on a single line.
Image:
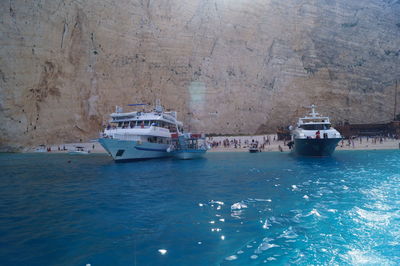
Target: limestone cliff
[(226, 66)]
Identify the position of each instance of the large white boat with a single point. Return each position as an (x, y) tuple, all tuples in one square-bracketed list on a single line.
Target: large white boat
[(314, 136), (140, 134)]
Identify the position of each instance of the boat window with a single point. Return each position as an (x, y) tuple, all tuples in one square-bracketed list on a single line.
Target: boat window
[(132, 124), (119, 124), (119, 153), (316, 127), (152, 139), (143, 123), (172, 128)]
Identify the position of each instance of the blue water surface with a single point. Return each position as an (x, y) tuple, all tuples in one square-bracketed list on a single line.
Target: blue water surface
[(227, 209)]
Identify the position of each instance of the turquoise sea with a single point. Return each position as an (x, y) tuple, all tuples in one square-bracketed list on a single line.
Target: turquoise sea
[(227, 209)]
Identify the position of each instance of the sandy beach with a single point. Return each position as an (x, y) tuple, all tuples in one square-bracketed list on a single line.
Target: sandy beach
[(242, 144)]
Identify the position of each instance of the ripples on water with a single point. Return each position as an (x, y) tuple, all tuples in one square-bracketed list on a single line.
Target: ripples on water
[(229, 209)]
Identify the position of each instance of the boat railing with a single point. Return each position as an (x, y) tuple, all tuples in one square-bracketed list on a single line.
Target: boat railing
[(322, 135)]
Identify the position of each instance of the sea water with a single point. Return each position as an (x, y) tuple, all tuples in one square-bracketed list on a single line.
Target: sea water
[(226, 209)]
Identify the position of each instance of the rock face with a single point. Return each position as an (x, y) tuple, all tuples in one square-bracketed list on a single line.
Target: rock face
[(226, 66)]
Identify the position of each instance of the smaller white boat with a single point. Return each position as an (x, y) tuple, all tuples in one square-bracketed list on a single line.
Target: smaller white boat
[(314, 136), (188, 146), (40, 148), (253, 147), (79, 150)]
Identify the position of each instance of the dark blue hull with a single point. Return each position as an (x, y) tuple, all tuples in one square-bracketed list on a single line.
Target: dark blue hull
[(315, 147)]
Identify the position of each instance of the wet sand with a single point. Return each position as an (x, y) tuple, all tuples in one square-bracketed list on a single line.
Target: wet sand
[(95, 147)]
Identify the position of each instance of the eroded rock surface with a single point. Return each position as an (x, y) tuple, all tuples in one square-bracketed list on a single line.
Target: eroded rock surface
[(226, 66)]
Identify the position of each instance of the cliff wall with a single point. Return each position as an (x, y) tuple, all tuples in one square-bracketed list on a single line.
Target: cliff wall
[(226, 66)]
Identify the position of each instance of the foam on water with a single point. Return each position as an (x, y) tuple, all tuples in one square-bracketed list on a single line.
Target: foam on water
[(314, 212), (232, 257), (360, 257), (238, 206)]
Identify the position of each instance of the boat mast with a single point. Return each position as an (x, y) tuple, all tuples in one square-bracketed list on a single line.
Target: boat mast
[(313, 113), (158, 108), (395, 102)]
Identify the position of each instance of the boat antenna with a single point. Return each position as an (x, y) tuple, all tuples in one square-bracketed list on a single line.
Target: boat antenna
[(158, 106)]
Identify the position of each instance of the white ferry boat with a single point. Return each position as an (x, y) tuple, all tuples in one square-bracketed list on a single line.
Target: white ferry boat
[(314, 136), (140, 135)]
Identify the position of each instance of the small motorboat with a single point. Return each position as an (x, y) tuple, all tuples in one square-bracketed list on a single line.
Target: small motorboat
[(188, 146), (79, 150), (253, 147)]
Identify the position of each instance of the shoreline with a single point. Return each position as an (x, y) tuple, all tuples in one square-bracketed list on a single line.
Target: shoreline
[(268, 142)]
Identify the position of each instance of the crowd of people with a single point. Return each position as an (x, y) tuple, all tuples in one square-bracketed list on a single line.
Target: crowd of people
[(239, 142), (366, 139), (271, 142)]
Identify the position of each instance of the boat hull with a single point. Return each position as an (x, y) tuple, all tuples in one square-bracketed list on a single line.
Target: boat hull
[(122, 150), (189, 154), (315, 147), (253, 150)]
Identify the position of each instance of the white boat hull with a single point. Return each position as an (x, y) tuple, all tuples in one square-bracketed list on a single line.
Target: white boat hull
[(121, 150), (78, 152)]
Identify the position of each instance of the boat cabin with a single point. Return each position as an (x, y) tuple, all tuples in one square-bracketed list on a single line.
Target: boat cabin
[(314, 121), (314, 124), (144, 120)]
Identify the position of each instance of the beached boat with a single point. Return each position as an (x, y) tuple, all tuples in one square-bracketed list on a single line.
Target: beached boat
[(79, 150), (188, 146), (314, 136), (140, 134), (253, 147), (40, 148)]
